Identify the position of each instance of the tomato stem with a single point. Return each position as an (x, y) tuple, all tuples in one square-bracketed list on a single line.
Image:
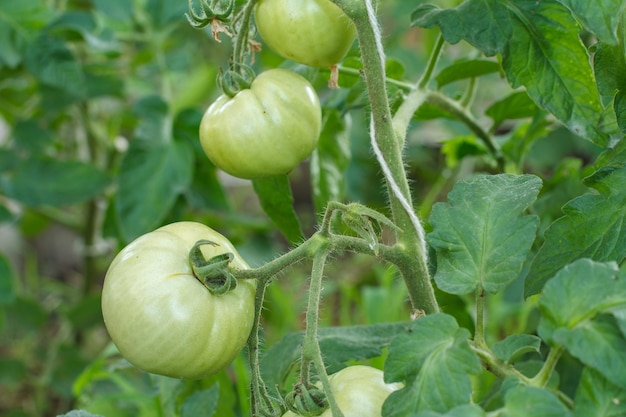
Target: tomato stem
[(311, 351), (387, 147), (262, 403)]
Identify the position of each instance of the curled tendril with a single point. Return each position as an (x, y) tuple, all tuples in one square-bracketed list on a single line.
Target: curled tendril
[(306, 401), (234, 80), (213, 15), (213, 273)]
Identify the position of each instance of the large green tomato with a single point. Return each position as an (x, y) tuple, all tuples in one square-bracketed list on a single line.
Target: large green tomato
[(265, 130), (360, 391), (162, 318), (311, 32)]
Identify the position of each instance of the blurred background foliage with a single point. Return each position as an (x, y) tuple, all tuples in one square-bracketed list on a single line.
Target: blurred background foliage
[(100, 102)]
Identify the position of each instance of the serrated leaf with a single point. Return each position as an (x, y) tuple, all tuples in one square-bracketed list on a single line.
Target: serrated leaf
[(540, 47), (434, 361), (597, 397), (592, 227), (516, 345), (578, 293), (600, 17), (155, 170), (201, 403), (338, 344), (481, 236), (276, 198), (330, 160), (464, 69), (51, 61), (598, 344), (46, 181), (525, 401), (517, 105)]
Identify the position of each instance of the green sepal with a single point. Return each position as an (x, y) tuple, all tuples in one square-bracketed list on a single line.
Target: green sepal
[(212, 273), (209, 13), (235, 80), (306, 401)]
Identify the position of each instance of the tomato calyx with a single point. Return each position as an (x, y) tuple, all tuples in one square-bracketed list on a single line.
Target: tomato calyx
[(213, 273), (234, 80), (306, 401), (209, 13)]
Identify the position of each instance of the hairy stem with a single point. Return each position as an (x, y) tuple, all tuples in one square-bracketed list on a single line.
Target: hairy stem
[(311, 351), (389, 154), (239, 50), (261, 402)]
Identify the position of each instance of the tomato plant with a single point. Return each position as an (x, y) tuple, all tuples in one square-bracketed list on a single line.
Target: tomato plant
[(162, 318), (311, 32), (264, 130), (459, 224), (360, 391)]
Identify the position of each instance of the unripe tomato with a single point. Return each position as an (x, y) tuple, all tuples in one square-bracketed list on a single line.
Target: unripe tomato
[(162, 318), (360, 391), (310, 32), (265, 130)]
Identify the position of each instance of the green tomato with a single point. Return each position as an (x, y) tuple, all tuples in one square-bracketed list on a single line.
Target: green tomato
[(360, 391), (310, 32), (162, 318), (265, 130)]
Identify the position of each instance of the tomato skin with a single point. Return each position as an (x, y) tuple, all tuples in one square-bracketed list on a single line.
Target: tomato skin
[(265, 130), (310, 32), (359, 390), (161, 318)]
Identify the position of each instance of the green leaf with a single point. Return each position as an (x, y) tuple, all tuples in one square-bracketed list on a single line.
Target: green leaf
[(338, 344), (515, 346), (277, 201), (201, 403), (330, 160), (597, 397), (19, 23), (46, 181), (465, 68), (579, 292), (155, 170), (51, 61), (459, 148), (434, 361), (598, 344), (7, 294), (609, 65), (540, 47), (461, 411), (620, 109), (206, 190), (117, 10), (600, 17), (525, 401), (30, 137), (481, 236), (12, 371), (517, 105), (592, 227)]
